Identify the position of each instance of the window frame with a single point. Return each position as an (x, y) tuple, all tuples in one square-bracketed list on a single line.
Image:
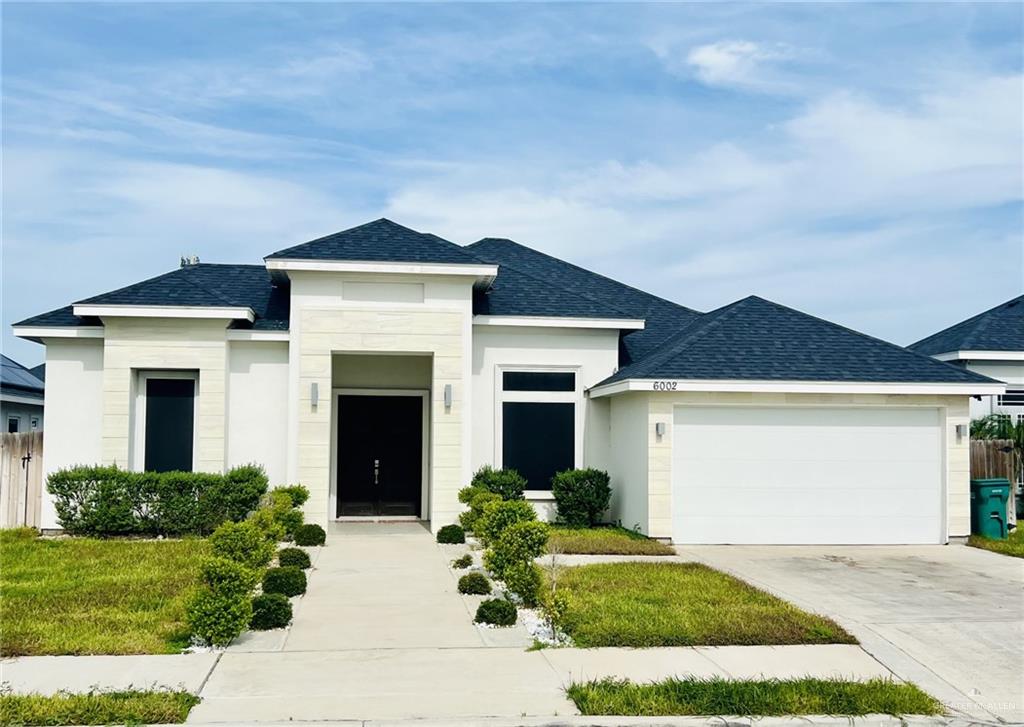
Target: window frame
[(137, 455), (17, 420), (1015, 393), (574, 397)]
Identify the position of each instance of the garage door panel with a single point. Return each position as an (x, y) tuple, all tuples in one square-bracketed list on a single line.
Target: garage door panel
[(807, 475)]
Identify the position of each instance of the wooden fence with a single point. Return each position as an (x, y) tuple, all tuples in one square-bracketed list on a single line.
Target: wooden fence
[(992, 458), (21, 479)]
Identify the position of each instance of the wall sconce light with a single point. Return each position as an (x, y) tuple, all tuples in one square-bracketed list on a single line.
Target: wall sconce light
[(659, 429), (447, 396), (314, 394), (961, 432)]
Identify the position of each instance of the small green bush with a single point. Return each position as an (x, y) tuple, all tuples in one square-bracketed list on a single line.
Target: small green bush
[(524, 580), (464, 561), (581, 496), (466, 494), (228, 577), (451, 534), (471, 517), (243, 543), (218, 618), (497, 611), (298, 493), (519, 544), (265, 519), (270, 611), (289, 580), (293, 556), (509, 484), (310, 534), (499, 515), (474, 583)]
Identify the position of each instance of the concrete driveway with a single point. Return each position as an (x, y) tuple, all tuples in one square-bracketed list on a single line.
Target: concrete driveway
[(949, 618)]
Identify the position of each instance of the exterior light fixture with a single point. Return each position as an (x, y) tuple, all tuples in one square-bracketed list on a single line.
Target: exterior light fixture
[(447, 396), (961, 432), (314, 394), (659, 429)]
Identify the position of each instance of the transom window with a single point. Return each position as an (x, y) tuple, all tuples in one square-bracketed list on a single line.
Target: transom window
[(1012, 397)]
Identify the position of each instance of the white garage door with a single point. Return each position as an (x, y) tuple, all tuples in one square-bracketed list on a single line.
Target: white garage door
[(807, 475)]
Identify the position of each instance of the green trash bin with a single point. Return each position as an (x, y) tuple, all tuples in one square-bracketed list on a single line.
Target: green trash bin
[(988, 507)]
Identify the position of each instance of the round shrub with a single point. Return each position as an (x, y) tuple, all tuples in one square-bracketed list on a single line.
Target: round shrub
[(299, 494), (451, 534), (475, 584), (507, 483), (497, 611), (293, 556), (270, 611), (524, 580), (217, 618), (520, 543), (265, 519), (310, 534), (289, 580), (464, 561), (243, 543), (581, 496), (228, 577), (470, 519), (499, 515)]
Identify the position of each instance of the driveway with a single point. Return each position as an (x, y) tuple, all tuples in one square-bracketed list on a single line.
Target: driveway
[(950, 618)]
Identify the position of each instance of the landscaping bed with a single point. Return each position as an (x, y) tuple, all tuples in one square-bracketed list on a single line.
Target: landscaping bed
[(609, 540), (720, 697), (681, 604), (97, 708), (1012, 546), (91, 596)]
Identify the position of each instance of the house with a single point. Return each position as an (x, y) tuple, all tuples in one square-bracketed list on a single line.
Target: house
[(380, 366), (990, 343), (21, 397)]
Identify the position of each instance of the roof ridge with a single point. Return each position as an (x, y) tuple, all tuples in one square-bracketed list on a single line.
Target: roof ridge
[(215, 293), (126, 287)]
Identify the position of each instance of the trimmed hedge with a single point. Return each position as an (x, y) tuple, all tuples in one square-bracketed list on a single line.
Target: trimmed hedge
[(102, 500), (478, 499), (475, 584), (270, 611), (496, 611), (581, 496), (298, 493), (243, 543), (310, 534), (289, 580), (451, 534), (294, 556), (509, 484), (500, 515)]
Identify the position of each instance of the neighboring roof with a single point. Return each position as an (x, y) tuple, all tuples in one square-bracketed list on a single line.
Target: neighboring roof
[(756, 339), (380, 241), (531, 283), (997, 329), (39, 372), (15, 378), (203, 284)]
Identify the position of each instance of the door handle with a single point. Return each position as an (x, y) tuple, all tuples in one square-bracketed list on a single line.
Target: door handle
[(376, 471)]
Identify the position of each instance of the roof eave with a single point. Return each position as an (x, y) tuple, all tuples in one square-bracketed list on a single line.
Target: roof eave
[(979, 355), (482, 273), (165, 311), (663, 385)]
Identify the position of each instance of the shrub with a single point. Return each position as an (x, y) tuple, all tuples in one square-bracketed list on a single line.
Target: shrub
[(464, 561), (243, 543), (265, 520), (524, 580), (499, 515), (270, 611), (466, 494), (217, 618), (475, 583), (581, 496), (298, 493), (509, 484), (294, 556), (451, 534), (228, 578), (519, 544), (289, 580), (471, 518), (310, 534), (497, 611), (285, 514)]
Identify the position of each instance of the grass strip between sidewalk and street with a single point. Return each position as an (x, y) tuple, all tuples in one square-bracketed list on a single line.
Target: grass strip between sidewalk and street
[(97, 708), (1012, 546), (607, 540), (721, 697)]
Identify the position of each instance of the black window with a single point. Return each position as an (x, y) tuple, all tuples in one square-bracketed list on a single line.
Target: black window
[(170, 411), (13, 424), (538, 440), (538, 381), (1012, 397)]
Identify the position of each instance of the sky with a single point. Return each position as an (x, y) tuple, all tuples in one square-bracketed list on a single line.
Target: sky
[(863, 163)]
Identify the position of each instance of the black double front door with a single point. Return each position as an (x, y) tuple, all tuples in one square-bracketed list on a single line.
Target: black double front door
[(380, 455)]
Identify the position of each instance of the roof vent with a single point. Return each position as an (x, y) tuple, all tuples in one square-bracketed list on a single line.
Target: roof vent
[(187, 260)]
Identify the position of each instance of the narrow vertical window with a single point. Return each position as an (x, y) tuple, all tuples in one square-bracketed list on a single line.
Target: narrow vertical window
[(170, 415)]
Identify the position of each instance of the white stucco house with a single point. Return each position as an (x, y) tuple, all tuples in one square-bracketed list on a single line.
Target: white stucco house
[(381, 366), (990, 343)]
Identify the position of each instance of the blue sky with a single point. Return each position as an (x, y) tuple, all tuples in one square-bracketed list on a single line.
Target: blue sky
[(859, 162)]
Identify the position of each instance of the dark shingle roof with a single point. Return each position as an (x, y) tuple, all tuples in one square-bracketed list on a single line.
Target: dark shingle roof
[(204, 284), (380, 241), (755, 339), (575, 290), (39, 372), (18, 379), (998, 329)]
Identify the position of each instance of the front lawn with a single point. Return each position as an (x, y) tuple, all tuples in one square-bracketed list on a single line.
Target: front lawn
[(128, 708), (604, 541), (720, 697), (681, 604), (1013, 545), (88, 596)]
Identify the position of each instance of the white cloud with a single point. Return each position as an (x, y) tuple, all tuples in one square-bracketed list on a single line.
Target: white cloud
[(735, 62)]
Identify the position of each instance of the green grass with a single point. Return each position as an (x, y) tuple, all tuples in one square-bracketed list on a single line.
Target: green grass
[(1013, 545), (681, 604), (604, 541), (128, 708), (86, 596), (720, 697)]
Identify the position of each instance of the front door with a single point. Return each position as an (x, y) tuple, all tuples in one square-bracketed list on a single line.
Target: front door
[(380, 455)]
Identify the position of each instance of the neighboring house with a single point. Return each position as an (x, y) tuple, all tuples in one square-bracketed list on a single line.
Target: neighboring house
[(380, 367), (990, 343), (21, 397)]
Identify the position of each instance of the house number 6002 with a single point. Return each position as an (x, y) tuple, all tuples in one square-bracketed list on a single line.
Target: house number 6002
[(665, 385)]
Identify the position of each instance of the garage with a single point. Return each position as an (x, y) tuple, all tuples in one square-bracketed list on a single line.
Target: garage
[(807, 475)]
